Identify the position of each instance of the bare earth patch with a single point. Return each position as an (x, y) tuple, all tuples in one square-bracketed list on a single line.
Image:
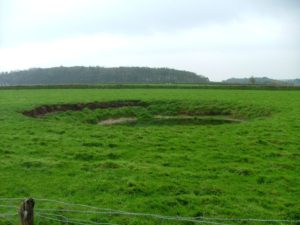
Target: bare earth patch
[(179, 118), (121, 120), (47, 109)]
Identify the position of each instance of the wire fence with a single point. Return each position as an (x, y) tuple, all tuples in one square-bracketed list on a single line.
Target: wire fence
[(48, 211)]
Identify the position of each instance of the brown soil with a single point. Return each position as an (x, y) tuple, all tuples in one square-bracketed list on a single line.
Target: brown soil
[(180, 119), (118, 121), (46, 109)]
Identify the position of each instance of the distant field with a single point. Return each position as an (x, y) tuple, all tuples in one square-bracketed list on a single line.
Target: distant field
[(185, 152)]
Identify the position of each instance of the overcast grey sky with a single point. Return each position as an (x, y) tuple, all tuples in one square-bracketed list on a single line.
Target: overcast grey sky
[(216, 38)]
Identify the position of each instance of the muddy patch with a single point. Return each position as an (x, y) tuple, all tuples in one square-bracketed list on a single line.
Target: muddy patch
[(47, 109)]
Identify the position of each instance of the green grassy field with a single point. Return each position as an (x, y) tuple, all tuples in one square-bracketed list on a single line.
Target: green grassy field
[(249, 169)]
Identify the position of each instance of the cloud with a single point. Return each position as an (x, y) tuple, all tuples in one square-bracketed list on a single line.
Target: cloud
[(35, 20), (214, 38)]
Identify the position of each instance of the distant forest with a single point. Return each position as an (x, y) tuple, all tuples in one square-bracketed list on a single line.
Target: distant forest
[(95, 75), (262, 81)]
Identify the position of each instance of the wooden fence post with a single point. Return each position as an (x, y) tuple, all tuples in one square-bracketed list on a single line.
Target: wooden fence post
[(26, 212)]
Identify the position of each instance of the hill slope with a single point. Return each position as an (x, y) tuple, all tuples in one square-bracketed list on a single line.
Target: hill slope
[(94, 75)]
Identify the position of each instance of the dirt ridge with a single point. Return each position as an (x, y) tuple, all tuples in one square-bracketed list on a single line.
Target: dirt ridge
[(47, 109)]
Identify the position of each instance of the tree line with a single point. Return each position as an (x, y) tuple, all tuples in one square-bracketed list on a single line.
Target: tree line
[(95, 75)]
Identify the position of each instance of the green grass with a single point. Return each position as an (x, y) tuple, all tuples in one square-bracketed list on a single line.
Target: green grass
[(239, 170)]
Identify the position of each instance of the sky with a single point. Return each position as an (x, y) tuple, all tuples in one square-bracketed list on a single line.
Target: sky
[(215, 38)]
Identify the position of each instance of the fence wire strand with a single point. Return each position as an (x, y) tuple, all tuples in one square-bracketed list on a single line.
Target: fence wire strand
[(51, 214), (65, 218)]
